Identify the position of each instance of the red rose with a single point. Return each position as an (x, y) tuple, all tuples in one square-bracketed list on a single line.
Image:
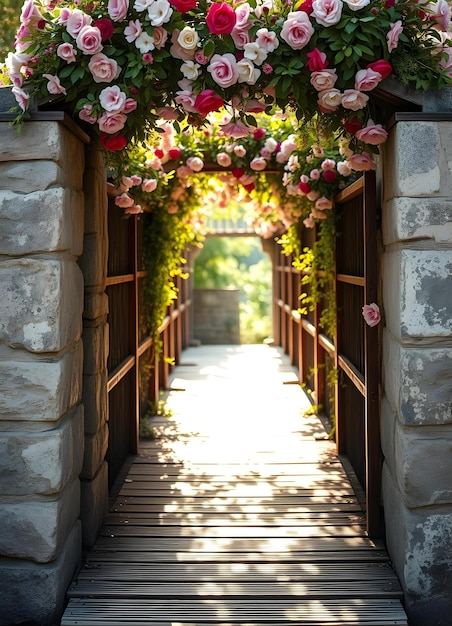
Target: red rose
[(307, 7), (117, 142), (159, 153), (249, 187), (221, 18), (329, 176), (382, 67), (208, 101), (237, 172), (105, 26), (304, 187), (174, 153), (183, 6), (353, 125), (259, 133), (317, 60)]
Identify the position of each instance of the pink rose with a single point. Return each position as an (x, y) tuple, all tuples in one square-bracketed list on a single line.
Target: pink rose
[(309, 222), (195, 164), (186, 99), (297, 30), (314, 174), (133, 31), (124, 201), (66, 52), (366, 80), (167, 113), (160, 37), (30, 14), (112, 99), (54, 86), (86, 114), (103, 69), (393, 35), (267, 40), (223, 159), (442, 15), (135, 209), (323, 204), (149, 185), (240, 38), (242, 13), (117, 9), (373, 134), (371, 314), (223, 68), (208, 101), (258, 164), (317, 60), (361, 162), (89, 40), (319, 215), (329, 99), (76, 21), (324, 79), (328, 164), (329, 176), (21, 96), (111, 123), (221, 18), (354, 100), (327, 12), (129, 105)]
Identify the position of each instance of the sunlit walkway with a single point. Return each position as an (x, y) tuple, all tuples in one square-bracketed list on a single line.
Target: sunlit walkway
[(238, 512)]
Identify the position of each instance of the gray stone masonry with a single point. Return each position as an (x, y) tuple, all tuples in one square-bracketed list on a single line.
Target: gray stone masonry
[(216, 316), (417, 364), (41, 368)]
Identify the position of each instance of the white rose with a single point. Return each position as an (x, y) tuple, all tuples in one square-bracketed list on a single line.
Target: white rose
[(188, 38), (248, 73), (159, 12), (356, 5), (190, 70), (255, 53)]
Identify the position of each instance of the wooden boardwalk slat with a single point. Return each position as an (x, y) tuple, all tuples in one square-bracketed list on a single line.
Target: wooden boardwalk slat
[(235, 515)]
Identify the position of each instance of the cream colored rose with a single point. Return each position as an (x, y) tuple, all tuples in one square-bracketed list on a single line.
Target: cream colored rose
[(354, 100), (248, 72), (329, 99), (324, 79), (188, 38)]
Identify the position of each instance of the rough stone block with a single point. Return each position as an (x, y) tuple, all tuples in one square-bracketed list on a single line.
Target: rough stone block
[(42, 304), (423, 482), (35, 594), (93, 261), (37, 392), (36, 530), (94, 505), (419, 543), (29, 176), (95, 348), (42, 221), (428, 219), (46, 141), (95, 451), (417, 288), (42, 463), (388, 420), (417, 383), (96, 305), (95, 401)]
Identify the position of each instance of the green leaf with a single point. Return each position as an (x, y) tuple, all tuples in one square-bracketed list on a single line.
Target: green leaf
[(208, 48)]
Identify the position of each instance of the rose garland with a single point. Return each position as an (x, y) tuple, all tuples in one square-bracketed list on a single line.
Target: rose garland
[(122, 64)]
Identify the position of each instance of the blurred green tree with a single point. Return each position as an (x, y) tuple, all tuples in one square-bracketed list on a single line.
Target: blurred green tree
[(9, 24)]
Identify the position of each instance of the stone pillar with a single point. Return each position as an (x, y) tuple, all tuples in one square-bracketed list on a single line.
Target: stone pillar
[(417, 364), (41, 357), (93, 263)]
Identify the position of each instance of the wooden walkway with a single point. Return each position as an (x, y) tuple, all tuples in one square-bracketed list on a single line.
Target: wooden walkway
[(239, 512)]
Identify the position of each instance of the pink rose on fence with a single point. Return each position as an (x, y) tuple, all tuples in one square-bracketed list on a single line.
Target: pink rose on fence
[(258, 164), (111, 123), (223, 159), (221, 18), (76, 21), (297, 30), (30, 14), (66, 52), (366, 80), (21, 96), (329, 99), (371, 314), (86, 114), (354, 100), (124, 201), (89, 40), (103, 69), (361, 162), (327, 12), (117, 9), (393, 35), (149, 185), (373, 134), (112, 98), (323, 79), (223, 68), (133, 31), (323, 204), (54, 86)]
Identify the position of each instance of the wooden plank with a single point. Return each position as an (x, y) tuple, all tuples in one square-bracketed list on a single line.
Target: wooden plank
[(234, 532), (314, 590), (303, 613)]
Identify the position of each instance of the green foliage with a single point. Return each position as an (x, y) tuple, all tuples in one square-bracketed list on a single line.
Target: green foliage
[(9, 24)]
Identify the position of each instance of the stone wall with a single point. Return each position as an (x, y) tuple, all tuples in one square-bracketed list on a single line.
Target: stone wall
[(216, 316), (417, 364), (41, 360)]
